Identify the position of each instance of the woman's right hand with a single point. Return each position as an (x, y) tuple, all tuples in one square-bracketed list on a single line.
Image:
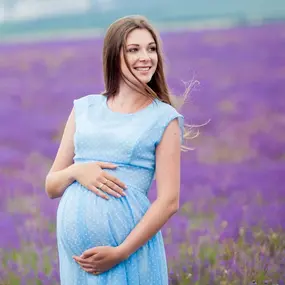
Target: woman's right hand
[(92, 176)]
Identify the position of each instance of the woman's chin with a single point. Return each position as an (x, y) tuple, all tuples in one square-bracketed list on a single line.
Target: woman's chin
[(145, 79)]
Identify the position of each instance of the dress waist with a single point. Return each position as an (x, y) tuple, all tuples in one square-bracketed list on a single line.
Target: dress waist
[(138, 178)]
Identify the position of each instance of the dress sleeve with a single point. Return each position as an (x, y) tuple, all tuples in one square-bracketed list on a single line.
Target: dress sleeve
[(80, 106), (164, 120)]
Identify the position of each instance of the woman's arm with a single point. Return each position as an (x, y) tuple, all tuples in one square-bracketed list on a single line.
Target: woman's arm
[(61, 174), (168, 190)]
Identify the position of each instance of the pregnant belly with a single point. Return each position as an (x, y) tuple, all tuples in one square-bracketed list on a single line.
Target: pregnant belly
[(85, 220)]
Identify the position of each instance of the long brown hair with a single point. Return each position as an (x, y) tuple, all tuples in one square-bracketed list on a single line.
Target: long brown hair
[(114, 42)]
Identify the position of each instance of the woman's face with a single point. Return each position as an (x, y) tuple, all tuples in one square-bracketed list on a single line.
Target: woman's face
[(141, 55)]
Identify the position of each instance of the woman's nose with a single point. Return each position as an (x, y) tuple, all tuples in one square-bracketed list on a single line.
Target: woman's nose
[(143, 56)]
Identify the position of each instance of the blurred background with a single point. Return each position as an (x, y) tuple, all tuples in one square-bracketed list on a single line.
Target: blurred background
[(30, 17), (230, 228)]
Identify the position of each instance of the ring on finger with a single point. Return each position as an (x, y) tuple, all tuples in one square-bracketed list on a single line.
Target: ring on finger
[(100, 186)]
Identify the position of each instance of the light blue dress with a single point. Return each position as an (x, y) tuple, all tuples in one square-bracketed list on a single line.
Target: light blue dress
[(85, 220)]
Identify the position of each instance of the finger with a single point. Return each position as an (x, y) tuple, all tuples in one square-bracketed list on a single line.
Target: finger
[(108, 190), (115, 180), (86, 266), (89, 252), (116, 188), (96, 258), (76, 258), (98, 192), (89, 270), (80, 260), (106, 185), (107, 164), (84, 262)]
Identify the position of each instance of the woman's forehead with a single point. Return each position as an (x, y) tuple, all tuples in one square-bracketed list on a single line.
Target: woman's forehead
[(138, 36)]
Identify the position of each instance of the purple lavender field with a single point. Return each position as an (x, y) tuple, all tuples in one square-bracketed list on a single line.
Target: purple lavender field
[(231, 225)]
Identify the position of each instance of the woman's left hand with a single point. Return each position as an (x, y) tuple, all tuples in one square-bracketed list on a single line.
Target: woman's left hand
[(99, 259)]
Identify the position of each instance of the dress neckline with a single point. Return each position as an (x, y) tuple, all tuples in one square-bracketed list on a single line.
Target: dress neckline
[(105, 103)]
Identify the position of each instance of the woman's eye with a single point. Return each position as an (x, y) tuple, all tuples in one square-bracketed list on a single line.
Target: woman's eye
[(132, 50)]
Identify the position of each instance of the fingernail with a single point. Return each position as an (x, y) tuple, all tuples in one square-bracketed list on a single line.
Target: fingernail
[(124, 194), (118, 195)]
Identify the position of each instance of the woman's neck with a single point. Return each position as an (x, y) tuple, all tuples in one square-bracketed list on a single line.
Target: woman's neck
[(129, 99)]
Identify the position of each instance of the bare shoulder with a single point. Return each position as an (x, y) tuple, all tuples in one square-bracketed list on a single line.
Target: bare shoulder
[(65, 153)]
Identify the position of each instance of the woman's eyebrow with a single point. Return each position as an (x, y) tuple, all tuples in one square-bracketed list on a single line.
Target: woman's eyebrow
[(139, 45)]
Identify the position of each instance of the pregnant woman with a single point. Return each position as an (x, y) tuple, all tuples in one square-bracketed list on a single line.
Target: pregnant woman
[(113, 146)]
